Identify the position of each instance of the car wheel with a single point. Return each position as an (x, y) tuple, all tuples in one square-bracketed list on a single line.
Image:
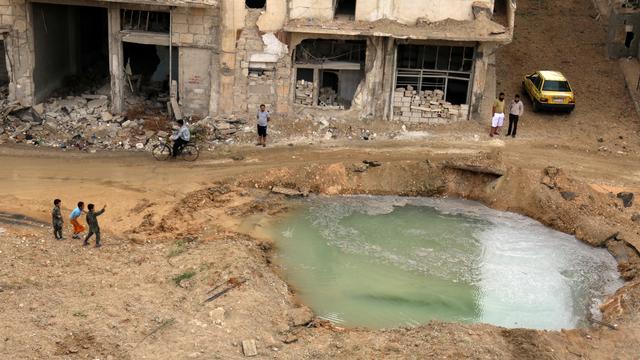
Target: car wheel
[(536, 106)]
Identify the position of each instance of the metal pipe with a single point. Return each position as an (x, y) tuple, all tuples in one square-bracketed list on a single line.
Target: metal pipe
[(171, 50)]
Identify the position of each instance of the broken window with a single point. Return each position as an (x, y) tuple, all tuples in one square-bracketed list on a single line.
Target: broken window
[(147, 70), (328, 72), (142, 20), (345, 8), (255, 4), (432, 67), (71, 50), (321, 50)]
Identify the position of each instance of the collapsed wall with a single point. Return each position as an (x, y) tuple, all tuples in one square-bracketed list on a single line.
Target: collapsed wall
[(262, 70)]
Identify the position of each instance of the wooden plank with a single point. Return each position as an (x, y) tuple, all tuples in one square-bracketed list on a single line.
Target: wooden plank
[(145, 38), (176, 109)]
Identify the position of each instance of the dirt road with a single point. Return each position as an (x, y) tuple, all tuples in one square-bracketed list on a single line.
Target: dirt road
[(167, 243)]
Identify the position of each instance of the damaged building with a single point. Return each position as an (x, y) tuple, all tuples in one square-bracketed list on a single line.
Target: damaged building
[(127, 52), (397, 60), (623, 34)]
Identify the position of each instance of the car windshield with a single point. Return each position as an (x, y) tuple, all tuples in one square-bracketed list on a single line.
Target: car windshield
[(555, 85)]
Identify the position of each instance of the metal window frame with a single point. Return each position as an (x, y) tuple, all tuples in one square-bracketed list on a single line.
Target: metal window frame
[(422, 73)]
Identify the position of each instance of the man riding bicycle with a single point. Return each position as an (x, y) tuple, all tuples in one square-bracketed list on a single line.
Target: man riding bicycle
[(180, 138)]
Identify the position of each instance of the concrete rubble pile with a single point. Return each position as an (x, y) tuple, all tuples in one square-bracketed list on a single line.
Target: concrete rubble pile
[(220, 129), (82, 122), (328, 97), (304, 93), (426, 106)]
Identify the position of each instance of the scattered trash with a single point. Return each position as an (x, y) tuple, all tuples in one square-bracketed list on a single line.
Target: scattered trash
[(164, 324), (233, 283)]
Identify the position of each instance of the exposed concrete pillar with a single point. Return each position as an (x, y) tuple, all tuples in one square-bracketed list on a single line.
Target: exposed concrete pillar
[(389, 77), (116, 66), (230, 23), (20, 52), (370, 99), (484, 52)]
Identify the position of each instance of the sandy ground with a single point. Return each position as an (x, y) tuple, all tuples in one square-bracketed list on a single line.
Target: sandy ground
[(173, 231)]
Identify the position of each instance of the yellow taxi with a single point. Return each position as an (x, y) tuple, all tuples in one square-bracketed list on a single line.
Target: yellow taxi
[(549, 90)]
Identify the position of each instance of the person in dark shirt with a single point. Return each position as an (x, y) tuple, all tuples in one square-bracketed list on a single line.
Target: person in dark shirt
[(56, 219), (92, 221)]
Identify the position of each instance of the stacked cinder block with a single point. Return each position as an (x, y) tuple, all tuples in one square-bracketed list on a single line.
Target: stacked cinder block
[(327, 97), (304, 92), (426, 106)]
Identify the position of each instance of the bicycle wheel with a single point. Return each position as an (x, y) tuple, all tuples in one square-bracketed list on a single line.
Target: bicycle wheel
[(190, 152), (161, 152)]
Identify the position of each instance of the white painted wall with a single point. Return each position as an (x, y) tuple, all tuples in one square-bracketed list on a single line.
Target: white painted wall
[(408, 11), (314, 9), (404, 11)]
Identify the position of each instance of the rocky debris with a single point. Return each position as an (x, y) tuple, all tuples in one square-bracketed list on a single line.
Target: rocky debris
[(290, 339), (327, 97), (249, 348), (372, 163), (286, 191), (635, 217), (568, 195), (550, 175), (367, 135), (359, 167), (304, 93), (365, 165), (299, 316), (84, 122), (426, 106), (594, 233), (478, 169), (625, 256), (220, 128), (626, 197)]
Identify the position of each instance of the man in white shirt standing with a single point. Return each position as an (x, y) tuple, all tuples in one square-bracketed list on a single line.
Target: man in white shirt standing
[(180, 138), (263, 119), (516, 108)]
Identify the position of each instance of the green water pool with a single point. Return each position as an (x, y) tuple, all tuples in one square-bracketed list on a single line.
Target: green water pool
[(391, 261)]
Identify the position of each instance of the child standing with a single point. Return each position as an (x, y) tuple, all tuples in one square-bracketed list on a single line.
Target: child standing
[(75, 214), (56, 219), (92, 221)]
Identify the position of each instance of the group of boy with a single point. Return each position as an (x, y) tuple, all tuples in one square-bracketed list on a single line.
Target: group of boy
[(78, 228), (516, 109)]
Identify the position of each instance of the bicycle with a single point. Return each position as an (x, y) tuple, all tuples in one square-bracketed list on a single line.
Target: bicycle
[(162, 151)]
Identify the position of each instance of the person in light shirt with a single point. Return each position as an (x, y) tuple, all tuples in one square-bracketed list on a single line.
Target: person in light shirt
[(263, 118), (180, 138), (498, 115), (516, 108)]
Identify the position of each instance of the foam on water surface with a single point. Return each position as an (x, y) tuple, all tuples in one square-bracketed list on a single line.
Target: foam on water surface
[(397, 261)]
